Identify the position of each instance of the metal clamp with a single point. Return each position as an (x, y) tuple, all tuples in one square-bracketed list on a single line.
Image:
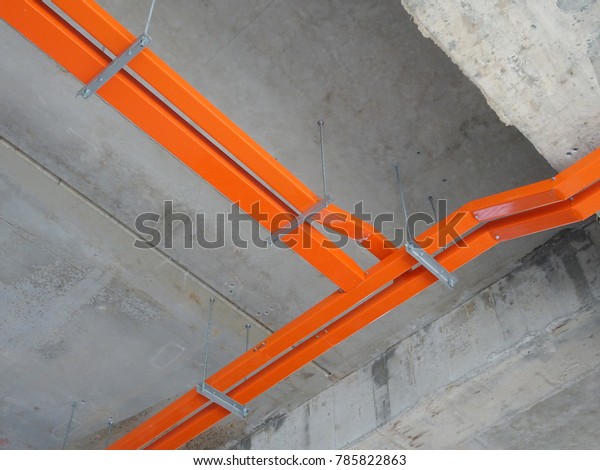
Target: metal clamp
[(418, 253), (115, 66), (223, 400), (301, 218), (429, 262), (121, 61)]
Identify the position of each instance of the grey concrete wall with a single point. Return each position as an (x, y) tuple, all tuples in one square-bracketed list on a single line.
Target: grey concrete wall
[(537, 63), (517, 365)]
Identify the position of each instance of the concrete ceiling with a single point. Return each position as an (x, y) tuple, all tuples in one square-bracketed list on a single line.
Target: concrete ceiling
[(88, 318)]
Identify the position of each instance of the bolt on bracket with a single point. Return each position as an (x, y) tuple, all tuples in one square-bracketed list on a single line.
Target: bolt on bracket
[(301, 218), (115, 66)]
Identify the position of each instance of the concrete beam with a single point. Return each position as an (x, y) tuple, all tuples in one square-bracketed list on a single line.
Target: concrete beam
[(537, 63)]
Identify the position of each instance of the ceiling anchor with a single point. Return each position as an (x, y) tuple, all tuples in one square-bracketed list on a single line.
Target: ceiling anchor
[(109, 431), (321, 123), (418, 253), (119, 62), (210, 392), (435, 216), (68, 431), (247, 326)]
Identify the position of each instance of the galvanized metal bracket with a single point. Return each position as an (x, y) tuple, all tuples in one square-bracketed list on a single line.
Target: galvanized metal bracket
[(115, 66), (301, 218), (223, 400), (210, 392), (429, 263)]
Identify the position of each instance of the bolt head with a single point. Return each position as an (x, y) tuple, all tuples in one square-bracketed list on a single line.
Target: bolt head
[(497, 237)]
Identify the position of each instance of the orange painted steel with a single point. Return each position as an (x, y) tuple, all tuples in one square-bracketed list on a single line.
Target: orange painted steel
[(411, 283), (171, 429), (114, 36), (572, 196), (69, 48), (572, 180), (103, 27), (280, 342)]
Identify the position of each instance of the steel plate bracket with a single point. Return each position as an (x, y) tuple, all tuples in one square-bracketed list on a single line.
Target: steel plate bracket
[(429, 263), (223, 400), (301, 218), (115, 66)]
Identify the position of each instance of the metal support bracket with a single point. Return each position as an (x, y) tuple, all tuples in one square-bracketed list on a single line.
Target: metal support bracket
[(212, 393), (115, 66), (223, 400), (429, 262), (301, 218)]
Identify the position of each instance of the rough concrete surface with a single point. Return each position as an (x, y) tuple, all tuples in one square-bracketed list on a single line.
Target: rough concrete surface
[(517, 366), (122, 328), (536, 62), (87, 318)]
